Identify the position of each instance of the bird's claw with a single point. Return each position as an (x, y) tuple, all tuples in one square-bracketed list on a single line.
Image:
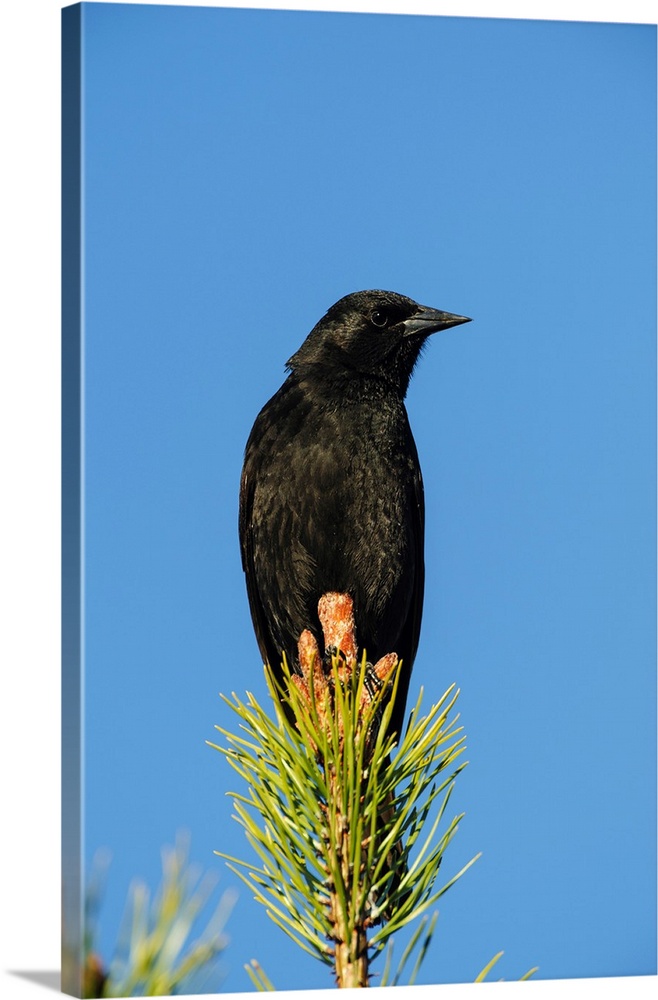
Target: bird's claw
[(372, 682), (329, 653)]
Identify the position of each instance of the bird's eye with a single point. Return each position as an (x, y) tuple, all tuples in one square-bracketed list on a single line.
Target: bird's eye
[(379, 317)]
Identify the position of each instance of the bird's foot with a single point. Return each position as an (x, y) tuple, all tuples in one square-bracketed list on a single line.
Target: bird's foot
[(329, 653), (372, 682), (377, 676)]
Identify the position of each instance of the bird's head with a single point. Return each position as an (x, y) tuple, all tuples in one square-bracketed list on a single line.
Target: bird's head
[(372, 333)]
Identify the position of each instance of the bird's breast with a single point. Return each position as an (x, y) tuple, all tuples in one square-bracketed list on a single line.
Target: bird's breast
[(340, 482)]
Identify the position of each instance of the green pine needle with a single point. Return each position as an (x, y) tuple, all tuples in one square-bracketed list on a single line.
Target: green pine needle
[(258, 977), (330, 805), (489, 966)]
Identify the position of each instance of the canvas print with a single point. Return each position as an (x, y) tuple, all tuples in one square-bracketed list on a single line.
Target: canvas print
[(358, 361)]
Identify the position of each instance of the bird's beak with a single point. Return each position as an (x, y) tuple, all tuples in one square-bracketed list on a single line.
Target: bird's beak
[(427, 320)]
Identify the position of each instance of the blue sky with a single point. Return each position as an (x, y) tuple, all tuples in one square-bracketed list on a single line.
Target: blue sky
[(243, 170)]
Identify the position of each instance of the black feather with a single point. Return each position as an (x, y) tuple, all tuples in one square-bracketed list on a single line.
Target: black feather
[(331, 497)]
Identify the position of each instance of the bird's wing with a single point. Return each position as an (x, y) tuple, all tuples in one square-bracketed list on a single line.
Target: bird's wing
[(246, 532), (410, 633), (267, 555)]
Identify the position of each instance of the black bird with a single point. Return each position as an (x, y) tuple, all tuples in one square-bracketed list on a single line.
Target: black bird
[(331, 497)]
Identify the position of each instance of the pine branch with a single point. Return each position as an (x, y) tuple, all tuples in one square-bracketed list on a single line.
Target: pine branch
[(156, 953), (347, 855)]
